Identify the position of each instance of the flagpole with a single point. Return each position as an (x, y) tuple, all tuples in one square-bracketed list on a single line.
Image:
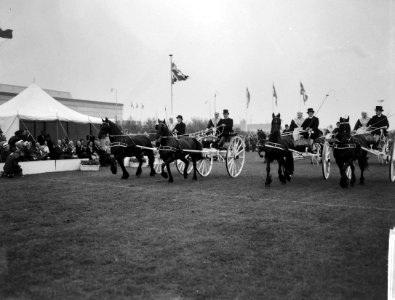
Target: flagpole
[(215, 103), (171, 84)]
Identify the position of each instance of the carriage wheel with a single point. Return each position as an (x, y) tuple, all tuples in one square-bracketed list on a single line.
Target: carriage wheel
[(392, 161), (348, 172), (326, 160), (235, 156), (205, 165), (158, 164), (180, 166)]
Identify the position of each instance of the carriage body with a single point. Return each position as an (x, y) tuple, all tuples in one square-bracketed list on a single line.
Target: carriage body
[(232, 154)]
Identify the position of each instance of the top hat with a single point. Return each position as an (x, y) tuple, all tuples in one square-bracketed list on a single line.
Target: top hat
[(310, 110), (179, 117), (379, 107), (226, 111)]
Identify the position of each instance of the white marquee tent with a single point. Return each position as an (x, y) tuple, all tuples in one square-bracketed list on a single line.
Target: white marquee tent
[(35, 105)]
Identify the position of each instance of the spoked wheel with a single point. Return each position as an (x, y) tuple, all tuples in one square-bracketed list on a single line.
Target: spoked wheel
[(235, 156), (180, 166), (158, 164), (205, 165), (326, 160), (392, 161)]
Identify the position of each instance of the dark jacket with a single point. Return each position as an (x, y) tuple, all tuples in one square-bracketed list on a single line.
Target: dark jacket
[(180, 128), (377, 122), (11, 165), (313, 124), (228, 126)]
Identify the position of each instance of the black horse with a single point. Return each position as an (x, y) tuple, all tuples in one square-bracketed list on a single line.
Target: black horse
[(123, 145), (276, 148), (348, 149), (172, 148)]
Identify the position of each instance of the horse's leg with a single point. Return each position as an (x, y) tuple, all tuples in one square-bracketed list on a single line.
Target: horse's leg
[(344, 179), (363, 163), (164, 173), (167, 165), (171, 159), (352, 182), (151, 160), (281, 176), (139, 157), (186, 165), (194, 168), (125, 174), (113, 166), (268, 176)]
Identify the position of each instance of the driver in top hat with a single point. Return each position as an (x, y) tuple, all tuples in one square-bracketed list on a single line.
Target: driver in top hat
[(180, 127), (378, 121), (311, 124), (227, 124)]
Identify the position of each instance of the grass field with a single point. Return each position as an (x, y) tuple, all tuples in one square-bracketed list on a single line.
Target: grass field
[(78, 235)]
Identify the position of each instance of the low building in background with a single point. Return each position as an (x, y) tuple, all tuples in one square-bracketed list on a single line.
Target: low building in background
[(92, 108)]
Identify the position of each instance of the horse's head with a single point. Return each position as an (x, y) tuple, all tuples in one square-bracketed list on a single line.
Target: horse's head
[(276, 123), (344, 129), (105, 128), (161, 129)]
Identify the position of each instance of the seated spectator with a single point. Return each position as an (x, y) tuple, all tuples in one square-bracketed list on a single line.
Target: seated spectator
[(92, 151), (57, 150), (80, 149), (2, 136), (45, 150), (42, 137), (11, 167), (104, 157), (15, 138)]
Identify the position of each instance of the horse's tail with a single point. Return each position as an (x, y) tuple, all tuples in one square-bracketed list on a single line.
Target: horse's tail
[(289, 162)]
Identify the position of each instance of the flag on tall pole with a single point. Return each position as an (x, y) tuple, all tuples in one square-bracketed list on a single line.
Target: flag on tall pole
[(275, 94), (248, 97), (176, 74), (303, 93)]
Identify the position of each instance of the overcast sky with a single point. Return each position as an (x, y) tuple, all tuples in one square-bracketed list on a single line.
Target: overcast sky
[(341, 47)]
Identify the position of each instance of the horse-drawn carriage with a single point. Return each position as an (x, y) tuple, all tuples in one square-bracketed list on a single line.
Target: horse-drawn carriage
[(200, 148), (232, 153), (383, 150)]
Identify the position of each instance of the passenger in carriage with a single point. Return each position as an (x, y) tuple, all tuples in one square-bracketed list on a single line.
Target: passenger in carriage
[(377, 123), (297, 122), (171, 123), (227, 124), (213, 122), (362, 123), (180, 127), (286, 129), (311, 126)]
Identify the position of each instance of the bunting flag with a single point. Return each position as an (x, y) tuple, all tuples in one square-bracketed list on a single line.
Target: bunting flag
[(275, 94), (303, 93), (176, 74), (248, 97), (137, 105), (6, 34)]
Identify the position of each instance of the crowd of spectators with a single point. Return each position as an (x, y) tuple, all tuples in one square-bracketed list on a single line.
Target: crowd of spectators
[(22, 146)]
